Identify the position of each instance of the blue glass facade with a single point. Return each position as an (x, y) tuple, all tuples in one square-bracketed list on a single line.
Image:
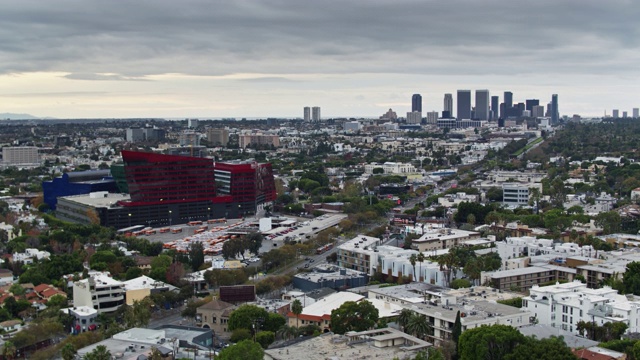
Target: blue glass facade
[(77, 183)]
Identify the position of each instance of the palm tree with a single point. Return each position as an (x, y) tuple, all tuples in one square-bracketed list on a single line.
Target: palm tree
[(446, 262), (404, 317), (420, 260), (412, 259), (296, 308), (418, 325), (9, 350), (287, 332)]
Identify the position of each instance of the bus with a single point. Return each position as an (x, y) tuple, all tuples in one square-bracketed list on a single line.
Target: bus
[(215, 221), (323, 249), (164, 230), (194, 223), (149, 232), (130, 229), (176, 230), (199, 231)]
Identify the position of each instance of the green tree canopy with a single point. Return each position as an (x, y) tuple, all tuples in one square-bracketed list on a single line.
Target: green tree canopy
[(353, 316), (552, 348), (246, 350), (246, 315), (489, 342)]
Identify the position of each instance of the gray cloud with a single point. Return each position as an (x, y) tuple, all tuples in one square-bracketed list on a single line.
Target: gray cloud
[(136, 39), (106, 77), (268, 79), (328, 50)]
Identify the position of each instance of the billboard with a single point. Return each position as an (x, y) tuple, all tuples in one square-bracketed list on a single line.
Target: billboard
[(238, 294)]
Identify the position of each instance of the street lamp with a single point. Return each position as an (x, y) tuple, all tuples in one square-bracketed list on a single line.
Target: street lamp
[(129, 219), (170, 217)]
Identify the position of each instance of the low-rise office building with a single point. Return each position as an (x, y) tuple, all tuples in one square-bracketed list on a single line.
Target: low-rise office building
[(99, 292)]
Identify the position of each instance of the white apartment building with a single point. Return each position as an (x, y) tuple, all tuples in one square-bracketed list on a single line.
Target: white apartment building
[(529, 246), (565, 305), (24, 156), (99, 292), (477, 307), (29, 255), (517, 194), (443, 239), (395, 262), (393, 168)]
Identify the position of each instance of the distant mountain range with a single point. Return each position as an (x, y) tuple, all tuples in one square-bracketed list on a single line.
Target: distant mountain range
[(12, 116)]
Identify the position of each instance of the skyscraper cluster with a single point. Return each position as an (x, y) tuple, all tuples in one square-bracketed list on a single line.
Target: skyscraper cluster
[(488, 107), (635, 113), (312, 114)]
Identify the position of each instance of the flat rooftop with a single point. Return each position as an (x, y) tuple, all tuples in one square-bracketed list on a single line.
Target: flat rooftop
[(325, 305), (330, 346), (107, 200)]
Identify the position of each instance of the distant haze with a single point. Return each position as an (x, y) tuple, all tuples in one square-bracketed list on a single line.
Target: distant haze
[(250, 58)]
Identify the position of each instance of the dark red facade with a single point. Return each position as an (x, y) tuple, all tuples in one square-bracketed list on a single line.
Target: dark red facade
[(156, 178), (173, 189)]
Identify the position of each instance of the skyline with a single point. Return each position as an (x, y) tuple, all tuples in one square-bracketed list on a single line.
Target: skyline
[(201, 59)]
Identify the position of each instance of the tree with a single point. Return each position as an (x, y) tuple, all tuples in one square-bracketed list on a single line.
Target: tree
[(552, 348), (138, 314), (99, 353), (155, 354), (273, 322), (609, 222), (240, 334), (413, 259), (68, 352), (253, 242), (636, 350), (265, 338), (354, 316), (431, 353), (460, 283), (245, 316), (404, 317), (457, 328), (493, 342), (421, 259), (296, 308), (9, 350), (17, 290), (631, 279), (196, 255), (246, 350), (418, 325), (58, 301)]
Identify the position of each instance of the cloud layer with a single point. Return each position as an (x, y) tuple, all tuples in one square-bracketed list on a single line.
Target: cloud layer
[(315, 48)]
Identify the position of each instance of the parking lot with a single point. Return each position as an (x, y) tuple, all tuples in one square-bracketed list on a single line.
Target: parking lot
[(305, 229)]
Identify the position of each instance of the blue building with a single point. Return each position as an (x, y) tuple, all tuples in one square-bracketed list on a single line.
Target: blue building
[(77, 183)]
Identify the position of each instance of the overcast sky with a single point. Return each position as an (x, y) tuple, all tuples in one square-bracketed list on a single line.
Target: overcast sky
[(244, 58)]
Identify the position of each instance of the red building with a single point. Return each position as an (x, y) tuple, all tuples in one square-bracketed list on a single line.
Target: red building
[(172, 189)]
